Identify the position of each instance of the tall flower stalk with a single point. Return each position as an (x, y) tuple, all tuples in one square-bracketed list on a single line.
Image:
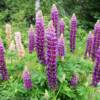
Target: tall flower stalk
[(96, 42), (8, 33), (27, 79), (40, 34), (61, 47), (3, 69), (88, 51), (96, 73), (19, 45), (51, 59), (12, 46), (62, 26), (73, 30), (31, 44), (55, 18)]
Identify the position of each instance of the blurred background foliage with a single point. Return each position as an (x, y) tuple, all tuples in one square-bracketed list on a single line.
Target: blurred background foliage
[(23, 11)]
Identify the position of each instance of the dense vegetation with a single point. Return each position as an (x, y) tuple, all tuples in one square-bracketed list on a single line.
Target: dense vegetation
[(21, 13)]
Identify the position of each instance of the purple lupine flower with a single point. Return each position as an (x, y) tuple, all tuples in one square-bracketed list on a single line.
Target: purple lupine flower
[(31, 40), (73, 30), (27, 79), (96, 42), (74, 80), (40, 34), (89, 44), (61, 47), (62, 26), (51, 59), (55, 18), (96, 73), (3, 69)]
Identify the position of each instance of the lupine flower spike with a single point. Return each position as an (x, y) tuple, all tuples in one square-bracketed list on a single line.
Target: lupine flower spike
[(18, 40), (40, 34), (19, 45), (12, 46), (3, 69), (62, 26), (88, 51), (96, 42), (74, 80), (55, 18), (21, 51), (73, 30), (96, 73), (27, 79), (8, 33), (31, 44), (51, 59), (61, 47)]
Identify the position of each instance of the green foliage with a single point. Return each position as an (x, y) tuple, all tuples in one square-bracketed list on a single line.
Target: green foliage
[(18, 12)]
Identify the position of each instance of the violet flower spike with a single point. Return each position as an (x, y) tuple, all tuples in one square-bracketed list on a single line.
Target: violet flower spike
[(88, 51), (3, 69), (31, 40), (96, 42), (40, 34), (55, 18), (74, 80), (62, 26), (73, 30), (61, 47), (27, 79), (96, 72), (51, 59)]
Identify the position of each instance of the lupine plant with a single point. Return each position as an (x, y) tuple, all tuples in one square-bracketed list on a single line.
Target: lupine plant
[(73, 30), (96, 73), (51, 59), (40, 34), (88, 51), (31, 44), (27, 79), (96, 42), (19, 45), (62, 26), (3, 69), (74, 80), (55, 18), (8, 33), (12, 46), (61, 47)]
